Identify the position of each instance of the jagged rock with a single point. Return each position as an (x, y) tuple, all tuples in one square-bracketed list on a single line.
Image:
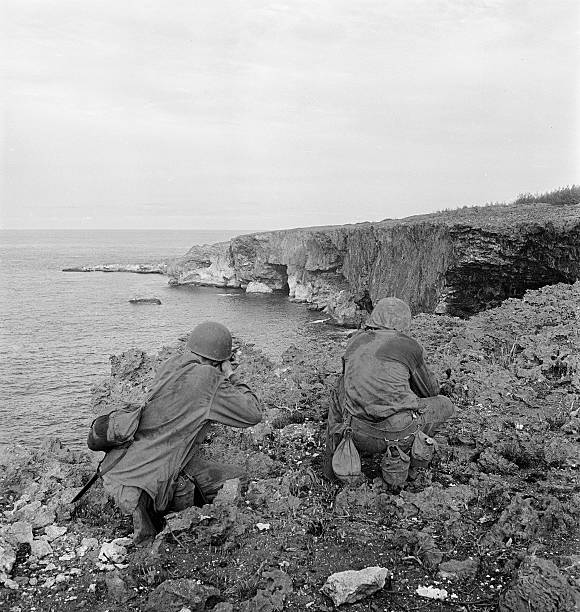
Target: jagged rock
[(40, 548), (54, 531), (111, 552), (457, 263), (223, 606), (181, 521), (10, 584), (116, 586), (539, 585), (259, 432), (19, 532), (275, 586), (421, 544), (229, 492), (258, 287), (172, 595), (34, 513), (7, 557), (437, 503), (492, 462), (351, 585), (153, 268), (455, 569), (519, 521), (563, 452), (430, 592), (86, 545), (156, 301), (426, 549)]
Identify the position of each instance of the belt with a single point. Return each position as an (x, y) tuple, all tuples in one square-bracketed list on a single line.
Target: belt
[(384, 431)]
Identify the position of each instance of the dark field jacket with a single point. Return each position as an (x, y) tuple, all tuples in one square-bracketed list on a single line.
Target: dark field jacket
[(384, 373), (186, 396)]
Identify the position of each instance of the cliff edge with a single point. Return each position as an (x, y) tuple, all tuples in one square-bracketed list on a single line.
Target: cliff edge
[(455, 262)]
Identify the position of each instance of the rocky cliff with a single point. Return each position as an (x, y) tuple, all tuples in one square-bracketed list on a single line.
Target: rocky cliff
[(455, 262)]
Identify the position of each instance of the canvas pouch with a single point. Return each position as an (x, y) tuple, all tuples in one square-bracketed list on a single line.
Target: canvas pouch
[(395, 466), (346, 463), (422, 450), (116, 428)]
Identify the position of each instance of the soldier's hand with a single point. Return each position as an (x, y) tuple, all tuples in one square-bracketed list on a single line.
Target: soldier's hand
[(226, 368)]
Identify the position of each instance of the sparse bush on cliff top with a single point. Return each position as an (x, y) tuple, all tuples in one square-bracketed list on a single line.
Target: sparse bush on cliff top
[(559, 197)]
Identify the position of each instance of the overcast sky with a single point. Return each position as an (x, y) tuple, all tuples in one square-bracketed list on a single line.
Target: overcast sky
[(263, 115)]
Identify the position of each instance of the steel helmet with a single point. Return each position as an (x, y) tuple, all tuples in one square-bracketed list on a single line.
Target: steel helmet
[(211, 340), (390, 313)]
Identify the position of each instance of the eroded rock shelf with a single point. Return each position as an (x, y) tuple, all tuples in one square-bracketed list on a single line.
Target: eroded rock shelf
[(455, 262)]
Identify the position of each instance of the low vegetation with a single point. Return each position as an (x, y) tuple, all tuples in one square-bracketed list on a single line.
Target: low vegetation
[(558, 197)]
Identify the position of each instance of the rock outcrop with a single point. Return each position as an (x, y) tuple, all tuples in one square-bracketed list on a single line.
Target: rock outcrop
[(455, 262), (156, 268)]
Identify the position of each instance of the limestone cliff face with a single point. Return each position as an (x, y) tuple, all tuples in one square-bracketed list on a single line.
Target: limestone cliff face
[(455, 262)]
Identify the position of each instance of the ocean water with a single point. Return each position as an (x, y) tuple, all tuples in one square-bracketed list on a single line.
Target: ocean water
[(58, 329)]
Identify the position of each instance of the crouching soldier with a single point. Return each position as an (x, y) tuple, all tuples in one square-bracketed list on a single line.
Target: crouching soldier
[(386, 401), (160, 471)]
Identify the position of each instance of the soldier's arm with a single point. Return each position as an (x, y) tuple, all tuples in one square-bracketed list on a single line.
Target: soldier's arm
[(423, 382), (235, 404)]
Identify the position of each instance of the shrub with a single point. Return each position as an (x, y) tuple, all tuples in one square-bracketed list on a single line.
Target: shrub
[(558, 197)]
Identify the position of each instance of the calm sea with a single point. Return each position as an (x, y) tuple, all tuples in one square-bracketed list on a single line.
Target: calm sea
[(58, 329)]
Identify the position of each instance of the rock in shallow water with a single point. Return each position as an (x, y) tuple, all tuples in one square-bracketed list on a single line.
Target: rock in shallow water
[(351, 585)]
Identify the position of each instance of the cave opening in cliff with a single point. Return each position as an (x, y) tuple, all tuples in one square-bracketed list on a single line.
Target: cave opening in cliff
[(281, 271), (480, 288)]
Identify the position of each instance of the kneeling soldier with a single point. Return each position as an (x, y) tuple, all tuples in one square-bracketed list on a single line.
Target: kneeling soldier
[(387, 399), (160, 471)]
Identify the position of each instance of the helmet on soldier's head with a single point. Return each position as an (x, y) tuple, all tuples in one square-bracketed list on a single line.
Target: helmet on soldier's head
[(390, 313), (211, 340)]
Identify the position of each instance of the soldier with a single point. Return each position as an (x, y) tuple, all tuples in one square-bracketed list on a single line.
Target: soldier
[(160, 471), (387, 399)]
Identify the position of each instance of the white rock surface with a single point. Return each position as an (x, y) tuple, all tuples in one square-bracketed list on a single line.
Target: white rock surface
[(41, 548), (86, 545), (229, 492), (19, 532), (351, 585), (112, 553), (258, 287), (54, 531), (7, 557), (432, 592)]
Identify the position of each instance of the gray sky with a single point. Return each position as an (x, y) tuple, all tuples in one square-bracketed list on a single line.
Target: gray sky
[(262, 115)]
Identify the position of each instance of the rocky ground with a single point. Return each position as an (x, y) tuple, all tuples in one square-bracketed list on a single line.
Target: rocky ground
[(492, 524)]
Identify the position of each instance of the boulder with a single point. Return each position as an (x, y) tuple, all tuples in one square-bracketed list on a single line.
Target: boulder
[(351, 585), (19, 532), (111, 552), (173, 595), (229, 492), (539, 585), (273, 588), (86, 545), (7, 557), (456, 570), (40, 548), (54, 531), (258, 287), (156, 301), (116, 587), (36, 514)]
